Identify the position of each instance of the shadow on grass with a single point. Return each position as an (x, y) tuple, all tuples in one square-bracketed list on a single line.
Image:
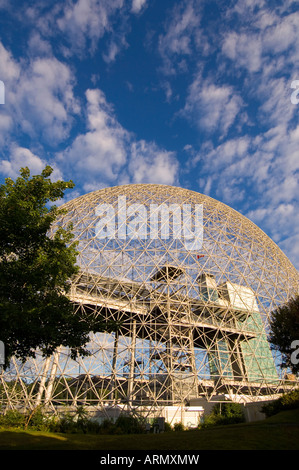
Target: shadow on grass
[(277, 433), (23, 440)]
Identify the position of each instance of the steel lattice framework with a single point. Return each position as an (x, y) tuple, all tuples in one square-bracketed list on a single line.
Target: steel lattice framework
[(193, 312)]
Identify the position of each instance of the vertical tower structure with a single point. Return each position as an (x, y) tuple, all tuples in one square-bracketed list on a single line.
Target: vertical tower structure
[(191, 284)]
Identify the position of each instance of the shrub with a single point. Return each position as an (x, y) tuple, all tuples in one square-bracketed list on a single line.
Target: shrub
[(167, 427), (288, 401), (13, 419), (34, 419), (108, 427), (178, 427), (224, 413), (78, 422), (66, 424), (37, 420), (130, 425)]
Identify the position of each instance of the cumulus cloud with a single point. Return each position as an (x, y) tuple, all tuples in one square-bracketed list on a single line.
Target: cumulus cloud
[(23, 157), (9, 68), (150, 164), (78, 26), (83, 23), (39, 96), (275, 104), (244, 50), (275, 34), (108, 153), (266, 165), (281, 222), (102, 149), (46, 94), (87, 20), (282, 35), (212, 107)]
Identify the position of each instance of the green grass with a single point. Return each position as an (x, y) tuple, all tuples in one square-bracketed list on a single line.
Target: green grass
[(280, 432)]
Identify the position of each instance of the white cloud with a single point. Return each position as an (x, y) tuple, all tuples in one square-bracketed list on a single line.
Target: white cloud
[(244, 50), (39, 96), (149, 164), (227, 153), (117, 44), (6, 124), (290, 246), (39, 46), (9, 68), (282, 35), (265, 165), (279, 221), (273, 45), (45, 95), (212, 107), (137, 5), (78, 26), (182, 30), (102, 149), (87, 21), (108, 154), (244, 7), (275, 98), (4, 3), (83, 19), (23, 157)]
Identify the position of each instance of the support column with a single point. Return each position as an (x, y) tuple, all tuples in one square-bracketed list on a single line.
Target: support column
[(132, 364), (48, 393), (169, 347), (42, 387), (114, 359)]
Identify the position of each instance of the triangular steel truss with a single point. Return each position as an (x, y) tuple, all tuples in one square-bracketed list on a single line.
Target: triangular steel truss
[(193, 321)]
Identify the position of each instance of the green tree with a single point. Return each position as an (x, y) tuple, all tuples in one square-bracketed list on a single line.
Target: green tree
[(284, 333), (35, 269)]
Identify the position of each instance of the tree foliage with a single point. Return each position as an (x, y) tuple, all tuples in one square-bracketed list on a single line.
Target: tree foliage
[(284, 332), (225, 413), (35, 269)]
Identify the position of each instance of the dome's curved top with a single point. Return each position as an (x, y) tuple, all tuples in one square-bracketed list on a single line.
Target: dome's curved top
[(147, 193), (131, 231)]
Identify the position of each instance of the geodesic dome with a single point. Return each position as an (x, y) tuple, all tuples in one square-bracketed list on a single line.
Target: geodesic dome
[(191, 283)]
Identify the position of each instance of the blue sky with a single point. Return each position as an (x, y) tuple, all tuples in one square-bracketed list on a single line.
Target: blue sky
[(190, 93)]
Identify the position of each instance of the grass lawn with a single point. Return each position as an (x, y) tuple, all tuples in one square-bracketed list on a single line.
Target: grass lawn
[(280, 432)]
